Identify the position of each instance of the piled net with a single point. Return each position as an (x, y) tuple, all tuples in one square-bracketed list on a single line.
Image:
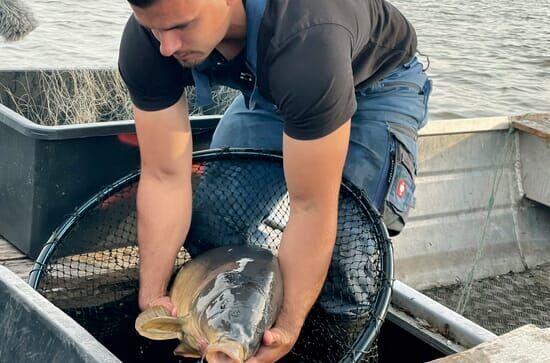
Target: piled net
[(89, 268)]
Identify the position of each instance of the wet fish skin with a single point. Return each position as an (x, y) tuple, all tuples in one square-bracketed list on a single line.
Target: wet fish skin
[(225, 298)]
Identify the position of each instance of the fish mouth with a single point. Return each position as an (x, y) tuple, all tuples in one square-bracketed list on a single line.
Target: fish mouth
[(225, 352)]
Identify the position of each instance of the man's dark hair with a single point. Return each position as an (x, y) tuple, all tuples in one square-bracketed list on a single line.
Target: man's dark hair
[(141, 3)]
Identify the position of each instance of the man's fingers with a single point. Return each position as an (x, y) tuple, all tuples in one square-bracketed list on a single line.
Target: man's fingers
[(171, 308), (263, 355), (272, 338), (167, 303), (269, 339), (275, 345), (168, 307)]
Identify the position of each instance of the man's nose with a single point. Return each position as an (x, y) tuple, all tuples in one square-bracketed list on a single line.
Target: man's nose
[(169, 43)]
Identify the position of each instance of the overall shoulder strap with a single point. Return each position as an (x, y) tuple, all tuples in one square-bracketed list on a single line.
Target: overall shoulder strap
[(254, 12)]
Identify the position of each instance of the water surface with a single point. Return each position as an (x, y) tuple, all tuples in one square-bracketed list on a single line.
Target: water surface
[(488, 58)]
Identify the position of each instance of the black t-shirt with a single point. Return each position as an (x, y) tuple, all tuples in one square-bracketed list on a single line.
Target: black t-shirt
[(312, 56)]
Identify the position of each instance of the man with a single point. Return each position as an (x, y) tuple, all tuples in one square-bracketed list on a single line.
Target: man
[(334, 85)]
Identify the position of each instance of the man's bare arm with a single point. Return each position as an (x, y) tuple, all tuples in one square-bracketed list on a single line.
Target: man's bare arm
[(313, 171), (164, 194)]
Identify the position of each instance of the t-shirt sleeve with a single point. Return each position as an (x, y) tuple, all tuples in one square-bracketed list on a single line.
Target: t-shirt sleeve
[(310, 79), (155, 82)]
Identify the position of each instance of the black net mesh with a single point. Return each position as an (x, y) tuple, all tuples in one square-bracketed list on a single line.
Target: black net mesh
[(505, 302), (89, 268)]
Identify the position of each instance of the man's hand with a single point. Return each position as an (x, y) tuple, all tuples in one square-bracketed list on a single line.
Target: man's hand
[(276, 343)]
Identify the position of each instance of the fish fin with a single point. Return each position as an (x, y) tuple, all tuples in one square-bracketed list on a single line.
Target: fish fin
[(184, 349), (156, 323)]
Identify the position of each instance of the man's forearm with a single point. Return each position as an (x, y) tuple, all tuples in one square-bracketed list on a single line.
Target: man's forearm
[(164, 215), (304, 256)]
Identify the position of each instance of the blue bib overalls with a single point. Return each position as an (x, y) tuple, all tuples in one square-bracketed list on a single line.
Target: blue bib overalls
[(381, 158), (382, 150)]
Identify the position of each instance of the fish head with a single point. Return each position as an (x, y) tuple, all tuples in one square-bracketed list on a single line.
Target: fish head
[(225, 351)]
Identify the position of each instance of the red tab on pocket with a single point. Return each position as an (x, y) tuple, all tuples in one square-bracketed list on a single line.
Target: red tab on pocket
[(401, 189)]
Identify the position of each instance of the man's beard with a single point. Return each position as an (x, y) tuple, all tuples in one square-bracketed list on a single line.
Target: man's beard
[(191, 64)]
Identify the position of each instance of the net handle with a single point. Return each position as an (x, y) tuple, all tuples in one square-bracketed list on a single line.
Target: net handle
[(364, 341)]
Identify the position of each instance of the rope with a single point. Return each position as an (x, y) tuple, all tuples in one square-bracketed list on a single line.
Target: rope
[(506, 158)]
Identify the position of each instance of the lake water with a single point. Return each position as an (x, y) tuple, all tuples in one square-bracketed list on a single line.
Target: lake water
[(488, 58)]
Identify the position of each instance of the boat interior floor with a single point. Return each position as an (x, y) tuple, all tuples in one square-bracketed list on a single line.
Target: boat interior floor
[(505, 302)]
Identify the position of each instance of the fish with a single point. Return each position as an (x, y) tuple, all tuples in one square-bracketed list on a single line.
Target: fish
[(226, 298)]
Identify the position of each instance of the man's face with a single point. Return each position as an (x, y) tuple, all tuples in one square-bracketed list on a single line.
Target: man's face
[(188, 30)]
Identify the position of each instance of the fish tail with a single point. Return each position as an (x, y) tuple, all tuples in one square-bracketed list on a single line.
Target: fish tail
[(150, 314), (156, 323)]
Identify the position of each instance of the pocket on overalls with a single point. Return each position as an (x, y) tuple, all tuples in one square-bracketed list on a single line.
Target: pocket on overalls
[(400, 194)]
